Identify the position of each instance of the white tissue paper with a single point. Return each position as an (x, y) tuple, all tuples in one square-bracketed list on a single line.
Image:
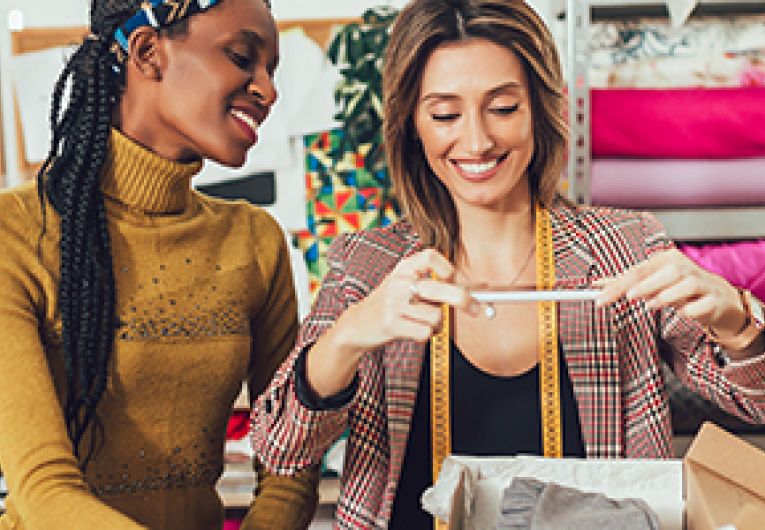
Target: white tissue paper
[(481, 481)]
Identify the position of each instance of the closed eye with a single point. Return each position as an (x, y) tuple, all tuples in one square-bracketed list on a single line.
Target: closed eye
[(505, 110), (445, 117), (242, 61)]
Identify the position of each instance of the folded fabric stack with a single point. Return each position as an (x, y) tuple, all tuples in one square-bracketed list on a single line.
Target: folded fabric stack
[(677, 112), (676, 122)]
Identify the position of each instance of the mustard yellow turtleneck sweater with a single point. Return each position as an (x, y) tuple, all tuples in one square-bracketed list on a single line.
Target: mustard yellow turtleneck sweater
[(205, 298)]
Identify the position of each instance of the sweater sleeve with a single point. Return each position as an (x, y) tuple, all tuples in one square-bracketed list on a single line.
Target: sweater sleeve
[(46, 488), (280, 503), (288, 435), (736, 387)]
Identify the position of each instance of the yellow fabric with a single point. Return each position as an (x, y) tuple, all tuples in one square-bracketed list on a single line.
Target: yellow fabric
[(205, 301)]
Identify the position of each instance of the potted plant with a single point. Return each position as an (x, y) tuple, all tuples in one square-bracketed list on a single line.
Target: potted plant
[(358, 50)]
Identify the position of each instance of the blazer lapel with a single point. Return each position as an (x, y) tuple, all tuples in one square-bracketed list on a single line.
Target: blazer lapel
[(402, 363), (586, 340)]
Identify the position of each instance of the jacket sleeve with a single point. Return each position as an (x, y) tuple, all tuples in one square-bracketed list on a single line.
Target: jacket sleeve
[(738, 387), (46, 488), (288, 435), (280, 502)]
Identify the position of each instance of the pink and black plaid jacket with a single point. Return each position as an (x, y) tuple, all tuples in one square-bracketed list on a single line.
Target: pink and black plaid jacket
[(613, 356)]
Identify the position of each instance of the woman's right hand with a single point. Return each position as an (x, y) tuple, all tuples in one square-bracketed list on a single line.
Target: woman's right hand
[(406, 305)]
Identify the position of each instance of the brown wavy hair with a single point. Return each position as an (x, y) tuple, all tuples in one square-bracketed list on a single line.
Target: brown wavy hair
[(421, 27)]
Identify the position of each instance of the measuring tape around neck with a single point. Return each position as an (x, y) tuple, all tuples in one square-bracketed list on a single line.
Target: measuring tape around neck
[(549, 381)]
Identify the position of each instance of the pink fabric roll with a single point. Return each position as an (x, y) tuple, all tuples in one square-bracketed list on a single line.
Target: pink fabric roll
[(678, 123), (644, 183), (741, 263)]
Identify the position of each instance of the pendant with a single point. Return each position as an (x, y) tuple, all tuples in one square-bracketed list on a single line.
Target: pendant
[(490, 311)]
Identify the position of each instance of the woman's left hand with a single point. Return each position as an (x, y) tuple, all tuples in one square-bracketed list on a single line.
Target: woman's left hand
[(670, 279)]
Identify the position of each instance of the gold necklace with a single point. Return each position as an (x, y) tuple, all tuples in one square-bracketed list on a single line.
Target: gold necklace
[(490, 311)]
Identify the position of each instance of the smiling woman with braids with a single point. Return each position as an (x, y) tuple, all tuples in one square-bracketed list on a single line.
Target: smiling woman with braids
[(133, 307)]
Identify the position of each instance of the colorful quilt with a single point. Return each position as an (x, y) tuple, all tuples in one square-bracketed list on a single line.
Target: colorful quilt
[(342, 196)]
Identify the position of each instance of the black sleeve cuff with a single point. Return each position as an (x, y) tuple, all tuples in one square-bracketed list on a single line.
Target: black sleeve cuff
[(308, 397)]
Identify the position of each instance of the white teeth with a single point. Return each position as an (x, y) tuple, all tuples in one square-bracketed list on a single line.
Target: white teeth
[(478, 168), (246, 118)]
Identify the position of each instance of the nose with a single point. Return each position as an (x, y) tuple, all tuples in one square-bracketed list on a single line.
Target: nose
[(263, 89), (477, 137)]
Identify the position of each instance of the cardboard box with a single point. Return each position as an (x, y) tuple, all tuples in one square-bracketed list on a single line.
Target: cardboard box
[(723, 482)]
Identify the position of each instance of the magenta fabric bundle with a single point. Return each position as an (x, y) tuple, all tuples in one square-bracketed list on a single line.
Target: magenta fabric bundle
[(696, 123), (741, 263)]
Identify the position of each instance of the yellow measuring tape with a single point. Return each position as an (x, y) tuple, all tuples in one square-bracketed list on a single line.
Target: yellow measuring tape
[(549, 382)]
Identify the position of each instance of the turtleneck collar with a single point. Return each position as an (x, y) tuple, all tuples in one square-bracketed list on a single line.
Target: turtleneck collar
[(142, 180)]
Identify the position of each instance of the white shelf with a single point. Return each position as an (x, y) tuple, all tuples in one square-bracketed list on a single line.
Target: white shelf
[(699, 224)]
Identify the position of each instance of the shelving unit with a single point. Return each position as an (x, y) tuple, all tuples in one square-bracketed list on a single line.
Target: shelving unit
[(686, 224)]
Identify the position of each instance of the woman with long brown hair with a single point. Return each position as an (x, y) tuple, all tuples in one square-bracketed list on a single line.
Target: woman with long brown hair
[(475, 140)]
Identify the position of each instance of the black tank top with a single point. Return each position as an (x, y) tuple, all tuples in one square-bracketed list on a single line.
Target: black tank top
[(491, 416)]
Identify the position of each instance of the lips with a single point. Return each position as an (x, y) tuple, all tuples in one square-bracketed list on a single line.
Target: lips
[(247, 122), (479, 170)]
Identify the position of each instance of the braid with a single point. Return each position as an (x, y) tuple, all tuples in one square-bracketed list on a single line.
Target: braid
[(70, 178)]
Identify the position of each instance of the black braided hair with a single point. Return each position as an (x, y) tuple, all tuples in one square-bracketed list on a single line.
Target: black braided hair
[(70, 178)]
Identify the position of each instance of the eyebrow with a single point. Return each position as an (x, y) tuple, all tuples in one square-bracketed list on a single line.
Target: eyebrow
[(510, 86), (254, 39)]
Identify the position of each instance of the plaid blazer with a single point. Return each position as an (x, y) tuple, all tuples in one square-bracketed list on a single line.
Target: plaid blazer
[(613, 356)]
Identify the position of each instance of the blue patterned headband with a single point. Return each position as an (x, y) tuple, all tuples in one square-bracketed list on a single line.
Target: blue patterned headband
[(157, 14)]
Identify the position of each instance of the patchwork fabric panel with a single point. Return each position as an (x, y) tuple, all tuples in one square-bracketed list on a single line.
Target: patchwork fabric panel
[(342, 196)]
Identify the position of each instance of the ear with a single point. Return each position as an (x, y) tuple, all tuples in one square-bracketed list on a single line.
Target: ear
[(146, 53)]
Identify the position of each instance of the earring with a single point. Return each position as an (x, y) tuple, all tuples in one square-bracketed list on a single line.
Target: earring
[(490, 311)]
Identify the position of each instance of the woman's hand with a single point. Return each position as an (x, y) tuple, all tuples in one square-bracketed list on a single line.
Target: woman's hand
[(670, 279), (406, 305)]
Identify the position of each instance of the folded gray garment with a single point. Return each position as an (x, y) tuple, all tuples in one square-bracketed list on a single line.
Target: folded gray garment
[(529, 504)]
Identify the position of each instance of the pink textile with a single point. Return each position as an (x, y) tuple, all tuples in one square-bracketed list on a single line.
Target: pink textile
[(232, 524), (661, 183), (678, 123), (741, 263)]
